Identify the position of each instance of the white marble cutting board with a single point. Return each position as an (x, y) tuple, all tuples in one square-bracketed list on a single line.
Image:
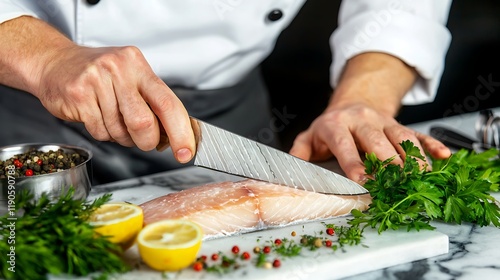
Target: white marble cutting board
[(378, 251)]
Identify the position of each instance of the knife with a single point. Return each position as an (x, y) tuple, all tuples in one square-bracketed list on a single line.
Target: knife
[(457, 140), (224, 151)]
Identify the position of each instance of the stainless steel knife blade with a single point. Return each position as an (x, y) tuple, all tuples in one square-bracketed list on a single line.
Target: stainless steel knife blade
[(224, 151)]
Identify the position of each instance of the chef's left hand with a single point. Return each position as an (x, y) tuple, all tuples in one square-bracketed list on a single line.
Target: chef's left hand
[(344, 132), (360, 118)]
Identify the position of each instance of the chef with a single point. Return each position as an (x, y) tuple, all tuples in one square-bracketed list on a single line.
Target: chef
[(108, 74)]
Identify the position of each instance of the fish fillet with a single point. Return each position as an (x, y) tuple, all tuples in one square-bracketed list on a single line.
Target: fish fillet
[(235, 207)]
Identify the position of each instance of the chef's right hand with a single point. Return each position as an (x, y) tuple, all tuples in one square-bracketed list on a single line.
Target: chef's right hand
[(113, 90), (118, 97)]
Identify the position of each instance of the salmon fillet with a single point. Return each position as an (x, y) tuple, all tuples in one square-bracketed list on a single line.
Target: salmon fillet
[(235, 207)]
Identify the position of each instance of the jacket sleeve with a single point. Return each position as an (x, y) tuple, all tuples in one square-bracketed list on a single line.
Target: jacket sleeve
[(10, 9), (413, 31)]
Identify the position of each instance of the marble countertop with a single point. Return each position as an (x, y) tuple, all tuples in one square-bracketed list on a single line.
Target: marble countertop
[(474, 252)]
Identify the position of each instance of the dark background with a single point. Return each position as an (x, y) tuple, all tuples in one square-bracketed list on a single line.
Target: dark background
[(297, 72)]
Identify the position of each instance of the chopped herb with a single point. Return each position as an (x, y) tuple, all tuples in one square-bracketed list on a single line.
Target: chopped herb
[(261, 259), (349, 235), (287, 248)]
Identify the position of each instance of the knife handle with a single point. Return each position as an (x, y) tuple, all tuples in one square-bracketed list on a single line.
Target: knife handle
[(452, 138), (457, 140), (165, 142)]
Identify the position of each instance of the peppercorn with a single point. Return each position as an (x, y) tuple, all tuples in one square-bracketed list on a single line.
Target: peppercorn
[(318, 243), (293, 233), (256, 250), (276, 263), (330, 231), (235, 249), (328, 243), (303, 241), (266, 250), (17, 163), (267, 265), (197, 266), (245, 256), (215, 257), (277, 241), (41, 162)]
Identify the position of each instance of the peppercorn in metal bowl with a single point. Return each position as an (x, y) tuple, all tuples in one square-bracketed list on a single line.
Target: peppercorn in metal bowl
[(43, 168)]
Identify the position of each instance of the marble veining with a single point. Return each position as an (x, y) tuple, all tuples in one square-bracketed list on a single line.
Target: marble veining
[(474, 252)]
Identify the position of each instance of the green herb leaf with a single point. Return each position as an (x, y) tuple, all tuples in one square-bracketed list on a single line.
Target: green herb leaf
[(410, 196), (54, 238)]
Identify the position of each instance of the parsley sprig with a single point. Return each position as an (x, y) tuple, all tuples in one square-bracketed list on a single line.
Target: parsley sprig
[(409, 196), (287, 249), (55, 238)]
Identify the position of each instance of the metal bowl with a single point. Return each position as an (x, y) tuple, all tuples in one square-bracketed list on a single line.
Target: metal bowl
[(53, 184)]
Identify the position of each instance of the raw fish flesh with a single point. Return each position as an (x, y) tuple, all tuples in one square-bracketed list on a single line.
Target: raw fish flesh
[(235, 207)]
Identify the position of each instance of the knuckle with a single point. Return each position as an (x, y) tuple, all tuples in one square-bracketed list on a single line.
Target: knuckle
[(125, 54), (164, 102), (108, 62), (405, 134), (335, 117), (141, 122), (363, 112), (77, 92), (131, 51), (113, 60), (375, 138), (341, 142), (400, 133)]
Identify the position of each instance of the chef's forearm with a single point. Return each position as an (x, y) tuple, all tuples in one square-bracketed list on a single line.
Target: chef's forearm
[(377, 80), (26, 45)]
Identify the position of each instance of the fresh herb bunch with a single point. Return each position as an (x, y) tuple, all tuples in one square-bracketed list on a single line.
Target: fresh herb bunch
[(455, 191), (55, 238)]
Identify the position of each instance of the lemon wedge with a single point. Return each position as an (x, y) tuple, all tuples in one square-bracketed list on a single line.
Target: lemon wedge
[(120, 221), (170, 245)]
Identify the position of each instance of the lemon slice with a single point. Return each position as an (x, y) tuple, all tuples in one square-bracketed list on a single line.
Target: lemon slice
[(120, 221), (170, 245)]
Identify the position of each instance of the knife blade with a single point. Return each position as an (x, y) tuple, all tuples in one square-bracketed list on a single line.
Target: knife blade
[(224, 151)]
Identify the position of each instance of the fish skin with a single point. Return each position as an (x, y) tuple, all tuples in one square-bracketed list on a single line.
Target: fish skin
[(228, 208)]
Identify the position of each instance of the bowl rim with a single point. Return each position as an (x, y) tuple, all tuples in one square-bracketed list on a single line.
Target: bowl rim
[(59, 145)]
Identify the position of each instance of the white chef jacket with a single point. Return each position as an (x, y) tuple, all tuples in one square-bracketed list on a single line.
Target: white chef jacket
[(213, 44)]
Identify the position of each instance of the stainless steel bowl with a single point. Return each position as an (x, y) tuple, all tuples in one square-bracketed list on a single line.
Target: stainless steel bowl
[(53, 184)]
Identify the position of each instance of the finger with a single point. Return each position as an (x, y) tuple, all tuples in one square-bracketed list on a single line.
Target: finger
[(435, 148), (343, 146), (373, 140), (173, 116), (91, 116), (111, 114), (398, 133), (140, 121), (302, 146)]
